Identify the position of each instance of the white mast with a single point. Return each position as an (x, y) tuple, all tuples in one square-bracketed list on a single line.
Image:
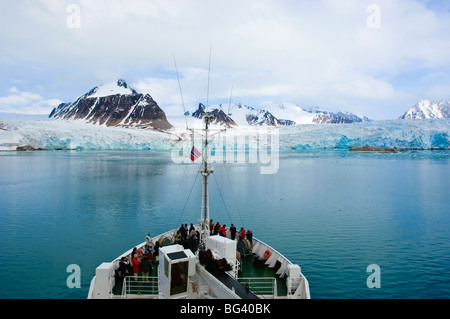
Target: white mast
[(204, 218)]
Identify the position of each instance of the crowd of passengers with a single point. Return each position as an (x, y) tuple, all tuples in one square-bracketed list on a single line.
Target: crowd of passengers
[(184, 233), (144, 259)]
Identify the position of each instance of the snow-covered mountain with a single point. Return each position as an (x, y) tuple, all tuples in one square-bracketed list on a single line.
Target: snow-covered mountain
[(299, 115), (218, 116), (114, 104), (117, 104), (286, 114), (426, 109), (248, 116), (276, 115)]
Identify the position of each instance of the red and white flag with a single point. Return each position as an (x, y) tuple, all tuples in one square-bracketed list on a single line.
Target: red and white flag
[(195, 154)]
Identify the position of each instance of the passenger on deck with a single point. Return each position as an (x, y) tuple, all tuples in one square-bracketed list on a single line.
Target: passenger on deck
[(178, 237), (182, 232), (193, 243), (133, 253), (233, 232), (193, 233), (249, 236), (123, 268), (242, 233), (148, 240), (156, 252), (135, 263), (191, 228), (148, 252), (211, 227), (216, 228), (223, 231), (145, 267)]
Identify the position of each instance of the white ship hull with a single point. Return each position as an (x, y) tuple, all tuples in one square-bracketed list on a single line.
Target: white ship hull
[(202, 284)]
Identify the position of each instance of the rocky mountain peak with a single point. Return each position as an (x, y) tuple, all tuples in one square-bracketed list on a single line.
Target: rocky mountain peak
[(218, 116), (114, 104)]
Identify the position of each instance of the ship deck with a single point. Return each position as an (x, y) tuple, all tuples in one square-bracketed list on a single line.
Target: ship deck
[(249, 269)]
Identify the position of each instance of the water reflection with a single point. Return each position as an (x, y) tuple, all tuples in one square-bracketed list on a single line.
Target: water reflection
[(333, 212)]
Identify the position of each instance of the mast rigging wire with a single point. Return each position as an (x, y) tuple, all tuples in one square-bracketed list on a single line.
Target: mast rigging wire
[(181, 92), (223, 200), (229, 103), (187, 200), (234, 196)]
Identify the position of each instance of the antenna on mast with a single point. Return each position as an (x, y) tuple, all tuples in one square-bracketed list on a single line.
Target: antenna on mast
[(229, 103), (205, 171), (181, 92), (209, 75)]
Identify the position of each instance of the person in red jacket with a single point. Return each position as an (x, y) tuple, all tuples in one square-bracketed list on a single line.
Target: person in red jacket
[(242, 233), (135, 263), (223, 231), (211, 227)]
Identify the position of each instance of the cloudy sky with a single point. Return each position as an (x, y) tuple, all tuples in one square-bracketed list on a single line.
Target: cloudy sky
[(375, 57)]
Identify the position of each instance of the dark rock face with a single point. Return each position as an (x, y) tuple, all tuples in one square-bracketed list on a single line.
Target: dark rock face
[(263, 118), (253, 118), (286, 122), (129, 110), (147, 111), (217, 116), (337, 118)]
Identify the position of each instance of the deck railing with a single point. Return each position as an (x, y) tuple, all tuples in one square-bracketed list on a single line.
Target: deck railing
[(263, 287), (140, 286)]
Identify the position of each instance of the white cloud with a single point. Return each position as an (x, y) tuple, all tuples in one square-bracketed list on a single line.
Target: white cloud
[(301, 51), (26, 103), (438, 91)]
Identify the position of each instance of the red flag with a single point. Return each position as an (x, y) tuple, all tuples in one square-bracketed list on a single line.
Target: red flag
[(195, 154)]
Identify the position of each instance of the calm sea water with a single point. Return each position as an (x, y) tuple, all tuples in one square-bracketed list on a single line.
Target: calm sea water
[(332, 212)]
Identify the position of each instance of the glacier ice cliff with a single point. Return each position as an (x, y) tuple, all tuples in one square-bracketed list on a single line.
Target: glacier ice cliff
[(58, 135), (408, 134), (76, 135)]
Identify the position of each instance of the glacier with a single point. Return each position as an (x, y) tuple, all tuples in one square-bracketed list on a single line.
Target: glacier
[(424, 134), (78, 135), (420, 134)]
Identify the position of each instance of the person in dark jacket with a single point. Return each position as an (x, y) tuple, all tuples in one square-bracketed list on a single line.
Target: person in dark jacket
[(216, 228), (156, 252), (249, 236), (182, 232), (145, 267), (233, 232), (133, 253), (123, 268)]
